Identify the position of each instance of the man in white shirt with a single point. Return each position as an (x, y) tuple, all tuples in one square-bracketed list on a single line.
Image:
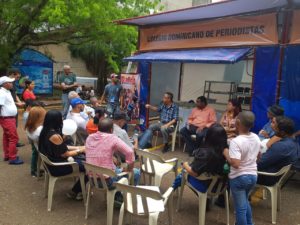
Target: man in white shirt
[(87, 113), (8, 112), (75, 114)]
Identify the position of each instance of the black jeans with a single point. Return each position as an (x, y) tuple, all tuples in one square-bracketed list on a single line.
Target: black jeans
[(191, 144)]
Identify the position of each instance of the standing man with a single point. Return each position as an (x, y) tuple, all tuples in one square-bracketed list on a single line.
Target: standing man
[(113, 94), (200, 119), (8, 112), (16, 75), (168, 119), (68, 83)]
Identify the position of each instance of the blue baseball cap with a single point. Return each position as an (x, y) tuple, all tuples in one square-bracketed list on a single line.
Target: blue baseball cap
[(76, 101)]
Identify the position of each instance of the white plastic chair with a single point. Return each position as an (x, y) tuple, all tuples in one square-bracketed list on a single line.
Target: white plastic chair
[(50, 180), (216, 187), (145, 201), (173, 134), (194, 137), (155, 166), (97, 178), (275, 190)]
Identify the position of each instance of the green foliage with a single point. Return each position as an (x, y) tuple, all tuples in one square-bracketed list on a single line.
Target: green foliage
[(87, 25)]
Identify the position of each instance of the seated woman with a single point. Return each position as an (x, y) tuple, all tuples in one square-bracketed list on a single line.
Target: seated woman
[(208, 159), (229, 117), (92, 124), (52, 145), (33, 128)]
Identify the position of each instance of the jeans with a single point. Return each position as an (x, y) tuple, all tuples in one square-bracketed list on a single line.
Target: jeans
[(10, 137), (191, 144), (66, 104), (146, 138), (240, 188), (136, 175), (112, 108)]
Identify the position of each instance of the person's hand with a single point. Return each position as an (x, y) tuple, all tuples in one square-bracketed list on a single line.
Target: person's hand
[(165, 126), (147, 106), (226, 152), (20, 104), (199, 130), (264, 133), (76, 84)]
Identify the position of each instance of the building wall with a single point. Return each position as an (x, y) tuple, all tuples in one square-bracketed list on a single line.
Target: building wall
[(61, 55)]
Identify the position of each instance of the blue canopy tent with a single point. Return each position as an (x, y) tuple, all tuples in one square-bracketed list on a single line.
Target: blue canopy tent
[(268, 59), (35, 66)]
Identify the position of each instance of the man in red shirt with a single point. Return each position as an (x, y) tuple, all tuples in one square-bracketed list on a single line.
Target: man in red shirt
[(200, 119)]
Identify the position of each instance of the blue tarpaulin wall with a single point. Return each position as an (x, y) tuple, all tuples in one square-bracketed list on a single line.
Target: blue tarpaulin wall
[(290, 85), (38, 68), (264, 83), (144, 70)]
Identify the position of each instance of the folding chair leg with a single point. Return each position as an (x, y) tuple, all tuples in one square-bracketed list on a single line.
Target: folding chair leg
[(274, 204), (170, 209), (82, 184), (153, 217), (202, 208), (88, 201), (50, 192), (184, 146), (180, 197), (39, 162), (46, 184), (110, 206), (173, 141), (279, 199), (121, 216), (227, 206)]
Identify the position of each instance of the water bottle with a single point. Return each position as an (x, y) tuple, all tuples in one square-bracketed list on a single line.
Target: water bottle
[(226, 168)]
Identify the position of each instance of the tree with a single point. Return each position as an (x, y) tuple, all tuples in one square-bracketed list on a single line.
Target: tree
[(84, 24)]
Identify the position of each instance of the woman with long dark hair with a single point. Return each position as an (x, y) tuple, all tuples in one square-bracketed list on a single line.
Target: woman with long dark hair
[(52, 145), (229, 117), (208, 158), (28, 93)]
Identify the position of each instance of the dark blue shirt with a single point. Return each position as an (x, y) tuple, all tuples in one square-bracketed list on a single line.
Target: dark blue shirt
[(280, 154), (168, 113), (112, 93)]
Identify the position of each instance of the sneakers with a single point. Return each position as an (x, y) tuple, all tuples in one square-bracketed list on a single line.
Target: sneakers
[(16, 161), (166, 148), (75, 196), (34, 174)]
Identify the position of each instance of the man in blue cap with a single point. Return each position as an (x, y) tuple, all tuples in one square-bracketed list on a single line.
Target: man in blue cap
[(75, 114)]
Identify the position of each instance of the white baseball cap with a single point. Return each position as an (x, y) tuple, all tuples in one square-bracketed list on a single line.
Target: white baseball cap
[(6, 79)]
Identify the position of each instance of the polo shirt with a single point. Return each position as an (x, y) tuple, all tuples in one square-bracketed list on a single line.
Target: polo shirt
[(78, 119), (8, 106)]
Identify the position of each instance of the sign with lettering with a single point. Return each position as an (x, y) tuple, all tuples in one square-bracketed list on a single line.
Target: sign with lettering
[(295, 35), (233, 31)]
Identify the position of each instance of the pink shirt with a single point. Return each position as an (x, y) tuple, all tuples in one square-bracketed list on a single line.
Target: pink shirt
[(100, 148), (202, 117), (246, 149), (28, 95)]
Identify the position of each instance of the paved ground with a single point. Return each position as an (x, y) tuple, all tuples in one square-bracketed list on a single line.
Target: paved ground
[(22, 201)]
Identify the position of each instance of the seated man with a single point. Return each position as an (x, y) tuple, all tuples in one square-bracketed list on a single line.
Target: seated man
[(168, 119), (267, 131), (281, 153), (102, 145), (200, 119), (119, 122), (76, 115), (88, 112)]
